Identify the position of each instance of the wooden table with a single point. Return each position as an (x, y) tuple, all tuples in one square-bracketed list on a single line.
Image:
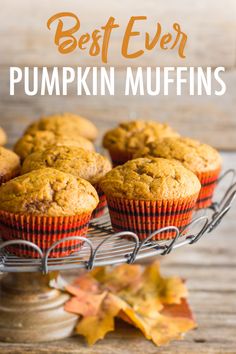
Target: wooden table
[(208, 266)]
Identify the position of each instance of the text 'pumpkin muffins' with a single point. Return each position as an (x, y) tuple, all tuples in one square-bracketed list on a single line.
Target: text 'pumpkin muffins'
[(201, 159), (147, 194), (65, 123), (41, 140), (45, 206), (123, 141), (3, 137), (9, 165), (88, 165)]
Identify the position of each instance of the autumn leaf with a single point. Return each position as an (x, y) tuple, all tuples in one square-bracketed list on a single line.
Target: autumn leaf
[(139, 295), (165, 329), (117, 278), (153, 291), (85, 304), (143, 303), (178, 310), (169, 290), (87, 282), (170, 324), (96, 327)]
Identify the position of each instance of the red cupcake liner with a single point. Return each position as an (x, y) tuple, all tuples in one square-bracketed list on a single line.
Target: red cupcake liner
[(144, 217), (208, 181), (120, 157), (43, 231), (101, 208)]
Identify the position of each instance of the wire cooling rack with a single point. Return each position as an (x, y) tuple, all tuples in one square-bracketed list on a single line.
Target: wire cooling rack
[(104, 247)]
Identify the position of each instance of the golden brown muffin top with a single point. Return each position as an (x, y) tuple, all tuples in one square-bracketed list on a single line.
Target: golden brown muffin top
[(9, 161), (150, 179), (3, 137), (88, 165), (191, 153), (41, 140), (65, 123), (48, 192), (130, 136)]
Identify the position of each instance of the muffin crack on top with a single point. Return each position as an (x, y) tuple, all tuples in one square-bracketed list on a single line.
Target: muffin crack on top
[(135, 134), (123, 141), (89, 165), (48, 192), (42, 140), (150, 178), (191, 153), (65, 123)]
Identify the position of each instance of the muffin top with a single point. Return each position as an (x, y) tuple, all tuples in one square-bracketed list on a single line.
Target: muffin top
[(150, 179), (191, 153), (3, 137), (48, 192), (79, 162), (65, 123), (9, 161), (133, 135), (41, 140)]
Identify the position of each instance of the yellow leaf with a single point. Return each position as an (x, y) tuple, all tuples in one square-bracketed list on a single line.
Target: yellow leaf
[(138, 295), (117, 278), (165, 329), (96, 327), (173, 322), (143, 303), (169, 290)]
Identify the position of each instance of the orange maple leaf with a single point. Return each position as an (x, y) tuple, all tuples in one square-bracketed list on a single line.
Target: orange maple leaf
[(138, 295)]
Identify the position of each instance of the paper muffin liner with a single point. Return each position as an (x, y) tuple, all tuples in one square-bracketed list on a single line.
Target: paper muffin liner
[(8, 176), (120, 157), (208, 184), (144, 217), (43, 231), (101, 207)]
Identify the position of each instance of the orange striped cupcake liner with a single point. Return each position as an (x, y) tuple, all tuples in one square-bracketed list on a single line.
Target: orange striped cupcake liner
[(120, 157), (101, 208), (208, 181), (43, 231), (144, 217)]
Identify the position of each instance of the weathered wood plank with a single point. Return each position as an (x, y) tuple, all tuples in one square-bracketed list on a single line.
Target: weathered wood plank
[(210, 26), (206, 118), (209, 338)]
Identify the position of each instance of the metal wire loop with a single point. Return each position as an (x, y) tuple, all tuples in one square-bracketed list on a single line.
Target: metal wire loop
[(195, 238), (157, 245), (102, 246), (230, 171), (132, 235), (71, 238), (22, 242)]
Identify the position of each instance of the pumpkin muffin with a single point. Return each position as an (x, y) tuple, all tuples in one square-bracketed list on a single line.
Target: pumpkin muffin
[(45, 206), (147, 194), (123, 141), (201, 159), (3, 137), (88, 165), (65, 123), (41, 140), (9, 165)]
